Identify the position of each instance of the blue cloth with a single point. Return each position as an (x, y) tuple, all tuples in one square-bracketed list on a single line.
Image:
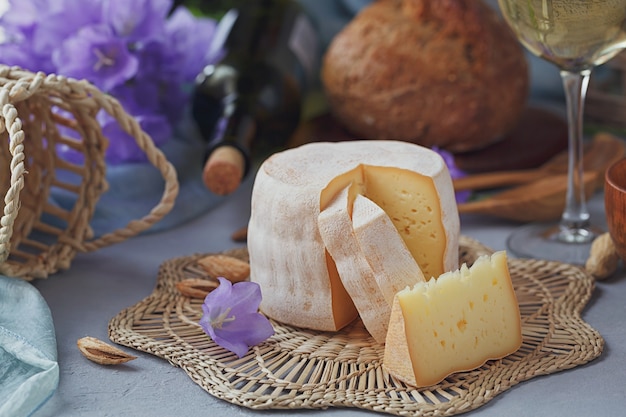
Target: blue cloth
[(136, 188), (29, 372)]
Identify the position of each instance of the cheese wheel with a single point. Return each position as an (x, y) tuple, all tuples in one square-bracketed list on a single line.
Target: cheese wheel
[(288, 257), (453, 323)]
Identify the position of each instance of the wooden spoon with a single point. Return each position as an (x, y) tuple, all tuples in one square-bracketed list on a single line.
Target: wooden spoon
[(598, 155), (540, 200)]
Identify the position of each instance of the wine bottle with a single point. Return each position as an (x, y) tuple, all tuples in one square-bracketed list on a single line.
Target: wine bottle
[(249, 103)]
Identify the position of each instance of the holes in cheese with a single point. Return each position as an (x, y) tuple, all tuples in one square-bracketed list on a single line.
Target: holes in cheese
[(412, 202), (289, 259), (453, 323)]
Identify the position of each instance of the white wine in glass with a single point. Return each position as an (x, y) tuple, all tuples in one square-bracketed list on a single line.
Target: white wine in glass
[(576, 36)]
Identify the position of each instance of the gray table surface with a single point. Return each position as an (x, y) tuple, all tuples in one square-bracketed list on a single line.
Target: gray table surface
[(100, 284)]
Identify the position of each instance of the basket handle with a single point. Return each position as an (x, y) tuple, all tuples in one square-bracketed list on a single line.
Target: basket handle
[(13, 125), (155, 157)]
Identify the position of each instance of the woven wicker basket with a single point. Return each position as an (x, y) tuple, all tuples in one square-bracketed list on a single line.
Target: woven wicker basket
[(606, 98), (37, 236)]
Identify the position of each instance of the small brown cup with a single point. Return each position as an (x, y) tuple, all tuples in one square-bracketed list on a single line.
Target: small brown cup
[(615, 204)]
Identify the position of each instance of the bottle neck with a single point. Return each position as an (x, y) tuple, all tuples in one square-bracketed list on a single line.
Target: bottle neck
[(237, 128)]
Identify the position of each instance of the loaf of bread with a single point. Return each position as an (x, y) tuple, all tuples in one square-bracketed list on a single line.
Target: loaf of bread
[(446, 73)]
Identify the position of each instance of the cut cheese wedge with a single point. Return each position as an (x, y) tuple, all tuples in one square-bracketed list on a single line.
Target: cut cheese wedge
[(353, 228), (454, 323), (289, 259), (357, 277)]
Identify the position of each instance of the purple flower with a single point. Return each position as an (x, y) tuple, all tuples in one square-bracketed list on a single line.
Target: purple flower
[(95, 54), (58, 21), (13, 54), (22, 15), (231, 316), (186, 33), (131, 49), (455, 172), (122, 146), (136, 20)]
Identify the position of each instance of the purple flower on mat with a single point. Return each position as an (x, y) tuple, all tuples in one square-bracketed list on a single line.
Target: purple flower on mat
[(231, 316)]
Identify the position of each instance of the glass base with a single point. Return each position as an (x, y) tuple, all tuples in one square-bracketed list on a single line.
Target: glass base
[(551, 242)]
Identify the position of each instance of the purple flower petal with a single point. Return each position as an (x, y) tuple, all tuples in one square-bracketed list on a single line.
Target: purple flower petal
[(154, 65), (455, 172), (96, 55), (23, 14), (14, 54), (245, 298), (245, 331), (231, 316), (61, 19), (136, 20), (187, 33), (122, 146)]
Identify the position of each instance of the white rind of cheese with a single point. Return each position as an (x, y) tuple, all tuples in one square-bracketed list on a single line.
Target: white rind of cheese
[(357, 277), (288, 257), (454, 323), (371, 258)]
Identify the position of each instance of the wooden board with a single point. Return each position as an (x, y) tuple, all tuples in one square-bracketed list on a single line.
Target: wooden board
[(540, 135)]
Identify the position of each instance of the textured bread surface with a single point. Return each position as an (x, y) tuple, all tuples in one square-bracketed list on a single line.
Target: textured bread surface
[(445, 73)]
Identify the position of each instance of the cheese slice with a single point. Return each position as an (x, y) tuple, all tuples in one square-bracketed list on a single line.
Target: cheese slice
[(454, 323), (371, 258), (335, 225), (380, 244), (288, 257)]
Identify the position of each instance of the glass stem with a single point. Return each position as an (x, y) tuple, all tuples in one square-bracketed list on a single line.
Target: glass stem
[(575, 219)]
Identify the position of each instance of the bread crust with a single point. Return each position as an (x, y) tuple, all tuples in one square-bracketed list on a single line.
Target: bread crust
[(446, 73)]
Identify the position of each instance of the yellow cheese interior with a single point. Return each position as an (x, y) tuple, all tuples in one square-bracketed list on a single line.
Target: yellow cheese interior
[(344, 311), (412, 203), (343, 307), (460, 320), (340, 182), (410, 200)]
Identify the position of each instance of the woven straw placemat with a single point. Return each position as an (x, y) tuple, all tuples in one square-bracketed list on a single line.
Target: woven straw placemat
[(298, 368)]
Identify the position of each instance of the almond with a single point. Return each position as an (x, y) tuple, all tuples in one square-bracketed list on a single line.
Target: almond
[(196, 287), (603, 257), (240, 235), (233, 269), (103, 353)]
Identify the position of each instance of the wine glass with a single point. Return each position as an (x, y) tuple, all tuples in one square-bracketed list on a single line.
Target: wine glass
[(576, 36)]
